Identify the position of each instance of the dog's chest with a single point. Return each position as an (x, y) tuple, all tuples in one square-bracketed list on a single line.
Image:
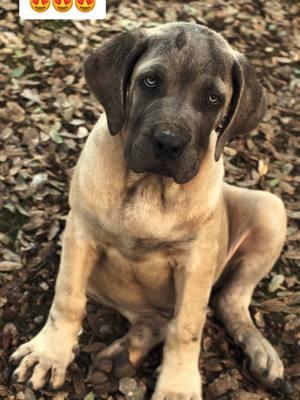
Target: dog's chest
[(138, 274)]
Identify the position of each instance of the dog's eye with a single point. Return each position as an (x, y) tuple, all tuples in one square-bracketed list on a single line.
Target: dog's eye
[(213, 100), (150, 82)]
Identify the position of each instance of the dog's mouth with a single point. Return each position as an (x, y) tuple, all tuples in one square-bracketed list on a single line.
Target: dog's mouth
[(140, 159), (179, 175)]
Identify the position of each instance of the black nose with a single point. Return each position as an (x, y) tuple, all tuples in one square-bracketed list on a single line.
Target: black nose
[(168, 146)]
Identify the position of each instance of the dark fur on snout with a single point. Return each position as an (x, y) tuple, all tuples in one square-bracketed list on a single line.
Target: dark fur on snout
[(200, 83)]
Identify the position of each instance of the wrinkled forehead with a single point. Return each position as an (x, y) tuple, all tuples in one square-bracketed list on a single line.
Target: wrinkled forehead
[(187, 52)]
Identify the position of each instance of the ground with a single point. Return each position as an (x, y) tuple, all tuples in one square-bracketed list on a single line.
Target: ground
[(46, 112)]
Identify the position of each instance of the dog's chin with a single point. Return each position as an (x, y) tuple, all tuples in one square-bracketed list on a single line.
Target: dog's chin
[(179, 177)]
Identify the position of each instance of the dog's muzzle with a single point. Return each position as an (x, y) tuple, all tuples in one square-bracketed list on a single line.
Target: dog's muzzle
[(163, 152), (168, 146)]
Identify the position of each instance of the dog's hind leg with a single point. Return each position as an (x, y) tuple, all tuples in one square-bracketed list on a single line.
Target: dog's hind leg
[(125, 355), (252, 262)]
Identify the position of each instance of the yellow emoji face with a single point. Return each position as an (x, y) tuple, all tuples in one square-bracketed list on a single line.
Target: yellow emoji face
[(85, 5), (40, 5), (62, 5)]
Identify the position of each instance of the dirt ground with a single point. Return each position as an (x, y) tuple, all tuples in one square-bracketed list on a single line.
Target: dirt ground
[(46, 113)]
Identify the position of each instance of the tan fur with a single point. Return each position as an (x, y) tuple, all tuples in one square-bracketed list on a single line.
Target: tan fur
[(132, 250), (154, 250)]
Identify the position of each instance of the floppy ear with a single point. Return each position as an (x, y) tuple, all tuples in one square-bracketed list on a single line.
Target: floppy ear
[(108, 70), (248, 104)]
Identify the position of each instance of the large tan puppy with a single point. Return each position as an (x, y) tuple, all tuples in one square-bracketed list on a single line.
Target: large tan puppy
[(152, 227)]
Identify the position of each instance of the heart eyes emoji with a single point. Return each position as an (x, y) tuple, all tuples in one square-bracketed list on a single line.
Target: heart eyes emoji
[(62, 5), (85, 5), (40, 5)]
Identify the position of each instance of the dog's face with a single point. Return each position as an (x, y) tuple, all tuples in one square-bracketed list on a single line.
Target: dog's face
[(177, 95), (169, 88)]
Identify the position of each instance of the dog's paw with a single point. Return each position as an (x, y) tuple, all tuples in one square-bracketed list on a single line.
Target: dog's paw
[(174, 384), (50, 351), (110, 364), (264, 362), (169, 395), (101, 376), (118, 354)]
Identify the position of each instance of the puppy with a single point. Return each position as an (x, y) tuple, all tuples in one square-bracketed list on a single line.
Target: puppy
[(153, 227)]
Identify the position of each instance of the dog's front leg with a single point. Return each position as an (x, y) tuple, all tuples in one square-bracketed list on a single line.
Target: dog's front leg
[(55, 346), (179, 377)]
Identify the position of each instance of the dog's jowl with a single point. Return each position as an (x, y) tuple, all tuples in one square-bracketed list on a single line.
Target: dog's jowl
[(153, 228)]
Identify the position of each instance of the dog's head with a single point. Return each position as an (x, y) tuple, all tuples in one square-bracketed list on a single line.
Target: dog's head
[(167, 89)]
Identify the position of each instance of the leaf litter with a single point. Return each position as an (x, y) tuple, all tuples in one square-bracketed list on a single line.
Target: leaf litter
[(46, 112)]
